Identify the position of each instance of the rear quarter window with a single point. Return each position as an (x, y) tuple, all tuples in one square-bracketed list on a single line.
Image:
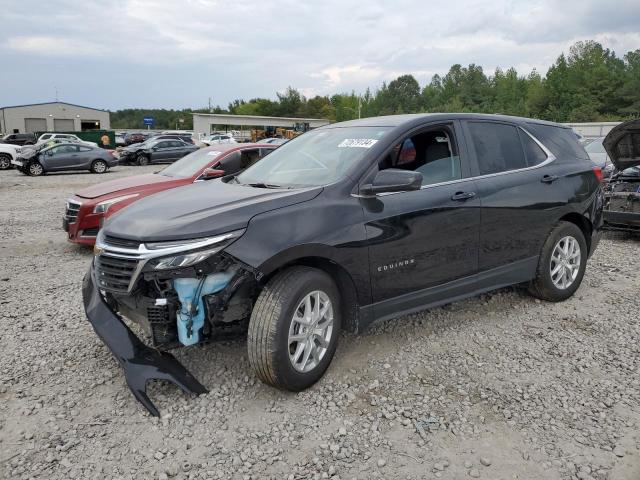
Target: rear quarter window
[(560, 141)]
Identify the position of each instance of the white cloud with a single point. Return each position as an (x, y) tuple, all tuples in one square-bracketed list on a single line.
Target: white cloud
[(170, 53)]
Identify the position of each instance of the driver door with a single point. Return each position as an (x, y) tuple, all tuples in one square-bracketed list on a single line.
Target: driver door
[(424, 243)]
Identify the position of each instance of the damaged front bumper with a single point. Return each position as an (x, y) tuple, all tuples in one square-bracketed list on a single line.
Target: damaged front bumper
[(139, 362)]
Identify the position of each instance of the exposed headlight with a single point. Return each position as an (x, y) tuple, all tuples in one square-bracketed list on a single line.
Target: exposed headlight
[(102, 207), (202, 249)]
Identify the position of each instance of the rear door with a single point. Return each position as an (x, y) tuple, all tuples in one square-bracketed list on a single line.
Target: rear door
[(514, 175), (429, 237)]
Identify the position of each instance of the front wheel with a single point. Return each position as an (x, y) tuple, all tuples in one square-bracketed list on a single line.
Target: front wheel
[(143, 160), (5, 161), (294, 328), (35, 169), (561, 265)]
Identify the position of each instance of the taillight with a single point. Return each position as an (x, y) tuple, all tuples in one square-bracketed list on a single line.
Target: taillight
[(599, 175)]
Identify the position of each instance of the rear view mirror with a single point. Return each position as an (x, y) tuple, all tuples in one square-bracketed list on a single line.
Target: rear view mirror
[(212, 173), (393, 180)]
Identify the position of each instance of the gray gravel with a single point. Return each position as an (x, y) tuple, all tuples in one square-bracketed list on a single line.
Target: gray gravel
[(497, 387)]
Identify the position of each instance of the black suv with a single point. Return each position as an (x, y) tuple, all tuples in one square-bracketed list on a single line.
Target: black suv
[(343, 226), (19, 139)]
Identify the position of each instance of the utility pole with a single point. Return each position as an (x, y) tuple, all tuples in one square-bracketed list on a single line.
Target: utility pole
[(359, 106), (210, 111)]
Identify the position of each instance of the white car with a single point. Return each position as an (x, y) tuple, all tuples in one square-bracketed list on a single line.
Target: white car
[(8, 152), (64, 136), (218, 138)]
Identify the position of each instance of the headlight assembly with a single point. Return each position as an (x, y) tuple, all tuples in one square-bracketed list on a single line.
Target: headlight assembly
[(102, 207), (189, 252)]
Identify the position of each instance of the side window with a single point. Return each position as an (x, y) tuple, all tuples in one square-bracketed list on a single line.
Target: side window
[(175, 143), (85, 149), (562, 142), (231, 163), (249, 157), (67, 149), (535, 155), (433, 153), (497, 147), (162, 145)]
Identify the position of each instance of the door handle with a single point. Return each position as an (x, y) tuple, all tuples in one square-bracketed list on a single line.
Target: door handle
[(462, 196), (549, 178)]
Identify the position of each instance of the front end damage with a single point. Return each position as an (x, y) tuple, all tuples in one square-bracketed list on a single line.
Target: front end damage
[(180, 294), (622, 195)]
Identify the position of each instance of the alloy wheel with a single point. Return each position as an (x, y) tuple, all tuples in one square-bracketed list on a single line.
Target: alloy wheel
[(5, 162), (565, 262), (99, 167), (36, 169), (311, 331)]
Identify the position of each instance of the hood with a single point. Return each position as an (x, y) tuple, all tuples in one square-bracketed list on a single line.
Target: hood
[(623, 144), (202, 209), (114, 186)]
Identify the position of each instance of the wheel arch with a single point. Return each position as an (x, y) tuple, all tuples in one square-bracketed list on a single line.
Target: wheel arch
[(583, 223), (343, 279)]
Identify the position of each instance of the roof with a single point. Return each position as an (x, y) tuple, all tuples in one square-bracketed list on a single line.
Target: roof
[(52, 103), (407, 119)]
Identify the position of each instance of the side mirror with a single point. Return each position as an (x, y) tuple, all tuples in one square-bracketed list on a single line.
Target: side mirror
[(393, 180), (210, 173)]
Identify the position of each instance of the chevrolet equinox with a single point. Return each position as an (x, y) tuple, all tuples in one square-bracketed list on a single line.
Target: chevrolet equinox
[(346, 225)]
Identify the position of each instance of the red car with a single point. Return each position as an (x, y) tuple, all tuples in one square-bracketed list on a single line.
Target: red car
[(86, 210)]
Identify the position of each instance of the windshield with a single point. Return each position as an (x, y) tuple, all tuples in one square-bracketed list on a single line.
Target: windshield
[(595, 146), (191, 164), (319, 157)]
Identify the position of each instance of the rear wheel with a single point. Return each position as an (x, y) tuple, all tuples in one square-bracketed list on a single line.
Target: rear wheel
[(561, 265), (294, 328), (35, 169), (143, 160), (5, 161), (99, 166)]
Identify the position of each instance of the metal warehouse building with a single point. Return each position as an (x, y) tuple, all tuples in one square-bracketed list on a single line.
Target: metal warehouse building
[(52, 117)]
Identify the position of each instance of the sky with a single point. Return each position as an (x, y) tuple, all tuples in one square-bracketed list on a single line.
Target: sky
[(177, 53)]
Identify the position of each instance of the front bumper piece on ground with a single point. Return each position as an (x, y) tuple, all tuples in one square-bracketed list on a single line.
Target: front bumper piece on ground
[(139, 362)]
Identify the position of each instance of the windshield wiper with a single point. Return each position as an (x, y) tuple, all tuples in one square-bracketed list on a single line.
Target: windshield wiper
[(262, 185)]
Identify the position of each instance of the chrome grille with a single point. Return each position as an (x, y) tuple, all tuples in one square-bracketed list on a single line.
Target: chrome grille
[(71, 212), (115, 273)]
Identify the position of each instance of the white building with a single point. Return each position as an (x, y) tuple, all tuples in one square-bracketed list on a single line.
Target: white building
[(52, 117), (205, 123)]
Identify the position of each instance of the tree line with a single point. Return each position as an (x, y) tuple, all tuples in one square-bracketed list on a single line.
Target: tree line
[(588, 84)]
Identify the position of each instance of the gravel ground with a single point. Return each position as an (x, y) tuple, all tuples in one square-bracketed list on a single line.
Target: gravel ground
[(497, 387)]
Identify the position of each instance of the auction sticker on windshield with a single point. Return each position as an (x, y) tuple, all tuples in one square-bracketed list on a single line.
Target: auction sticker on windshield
[(358, 143)]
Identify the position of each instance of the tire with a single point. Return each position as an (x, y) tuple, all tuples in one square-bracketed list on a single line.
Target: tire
[(5, 161), (35, 169), (272, 323), (99, 166), (142, 160), (547, 287)]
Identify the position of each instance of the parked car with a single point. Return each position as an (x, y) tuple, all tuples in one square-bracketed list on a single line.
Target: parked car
[(622, 196), (156, 151), (8, 152), (338, 228), (598, 156), (86, 209), (218, 139), (66, 137), (120, 140), (173, 136), (64, 157), (131, 138), (19, 139)]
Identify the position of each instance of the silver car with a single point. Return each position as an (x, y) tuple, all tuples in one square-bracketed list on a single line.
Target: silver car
[(598, 155), (64, 157)]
